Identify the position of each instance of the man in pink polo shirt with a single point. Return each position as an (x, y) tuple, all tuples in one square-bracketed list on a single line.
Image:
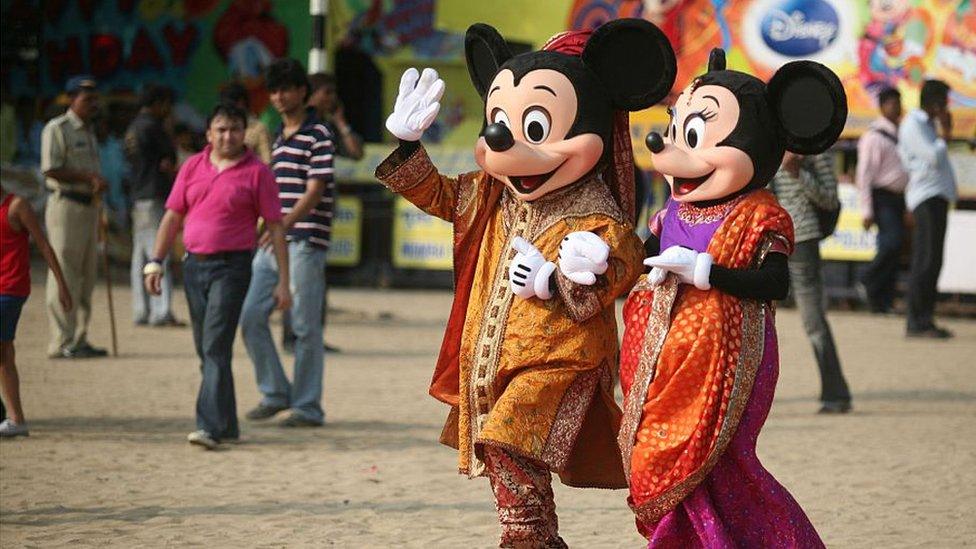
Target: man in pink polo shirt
[(217, 198)]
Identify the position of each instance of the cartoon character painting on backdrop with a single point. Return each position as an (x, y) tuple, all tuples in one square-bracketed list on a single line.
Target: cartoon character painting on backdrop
[(896, 40), (249, 38), (870, 45), (956, 56), (693, 27), (542, 247), (699, 358)]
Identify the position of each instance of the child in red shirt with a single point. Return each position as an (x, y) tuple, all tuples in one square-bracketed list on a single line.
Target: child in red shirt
[(17, 222)]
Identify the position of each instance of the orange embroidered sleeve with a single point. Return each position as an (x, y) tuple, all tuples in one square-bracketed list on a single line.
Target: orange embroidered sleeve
[(415, 178)]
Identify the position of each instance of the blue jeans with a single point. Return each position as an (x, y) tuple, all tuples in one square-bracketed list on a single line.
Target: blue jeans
[(215, 289), (306, 264), (880, 277)]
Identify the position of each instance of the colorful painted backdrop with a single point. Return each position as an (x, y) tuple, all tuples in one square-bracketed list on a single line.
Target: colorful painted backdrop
[(870, 44), (193, 46)]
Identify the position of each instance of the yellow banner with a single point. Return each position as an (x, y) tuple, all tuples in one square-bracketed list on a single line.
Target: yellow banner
[(345, 249), (449, 159), (420, 241), (530, 22), (850, 242)]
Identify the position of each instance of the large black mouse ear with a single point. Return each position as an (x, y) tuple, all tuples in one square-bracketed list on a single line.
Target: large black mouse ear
[(634, 61), (811, 106), (485, 50)]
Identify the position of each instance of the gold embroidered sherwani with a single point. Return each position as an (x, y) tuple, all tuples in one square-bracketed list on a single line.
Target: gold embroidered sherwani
[(534, 376)]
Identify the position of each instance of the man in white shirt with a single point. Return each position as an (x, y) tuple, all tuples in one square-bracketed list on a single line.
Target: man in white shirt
[(931, 188)]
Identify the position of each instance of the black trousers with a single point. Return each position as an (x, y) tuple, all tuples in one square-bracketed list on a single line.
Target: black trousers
[(880, 277), (928, 241)]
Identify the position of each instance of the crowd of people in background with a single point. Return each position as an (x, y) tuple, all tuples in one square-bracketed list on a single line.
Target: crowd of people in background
[(901, 164), (139, 170), (153, 176)]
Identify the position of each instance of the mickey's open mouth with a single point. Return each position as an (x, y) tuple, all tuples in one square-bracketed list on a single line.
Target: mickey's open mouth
[(684, 185), (525, 184)]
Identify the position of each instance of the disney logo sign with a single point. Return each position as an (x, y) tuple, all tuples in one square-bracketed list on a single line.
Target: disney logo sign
[(800, 28)]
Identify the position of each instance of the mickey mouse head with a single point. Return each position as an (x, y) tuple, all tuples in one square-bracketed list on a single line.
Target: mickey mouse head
[(728, 130), (549, 115)]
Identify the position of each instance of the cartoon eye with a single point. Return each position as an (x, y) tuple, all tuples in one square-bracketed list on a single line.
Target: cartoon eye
[(694, 130), (535, 123), (671, 130), (498, 116)]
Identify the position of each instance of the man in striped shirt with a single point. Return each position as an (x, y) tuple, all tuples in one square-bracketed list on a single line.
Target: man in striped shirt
[(803, 185), (302, 163)]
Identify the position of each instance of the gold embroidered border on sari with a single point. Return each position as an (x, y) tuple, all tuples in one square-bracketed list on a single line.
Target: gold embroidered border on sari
[(657, 330), (750, 355)]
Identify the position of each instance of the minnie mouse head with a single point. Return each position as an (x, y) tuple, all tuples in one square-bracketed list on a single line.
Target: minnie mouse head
[(729, 130), (549, 115)]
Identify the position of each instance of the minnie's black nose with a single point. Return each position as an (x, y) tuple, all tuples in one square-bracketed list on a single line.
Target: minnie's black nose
[(499, 137), (654, 142)]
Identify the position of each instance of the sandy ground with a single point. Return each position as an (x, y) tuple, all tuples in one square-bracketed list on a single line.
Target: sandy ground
[(107, 463)]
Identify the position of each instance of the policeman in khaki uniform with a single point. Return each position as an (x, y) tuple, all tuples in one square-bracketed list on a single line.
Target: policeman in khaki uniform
[(69, 161)]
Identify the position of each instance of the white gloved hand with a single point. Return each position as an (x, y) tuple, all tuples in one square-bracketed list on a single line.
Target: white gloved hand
[(656, 276), (691, 267), (529, 272), (582, 256), (417, 104)]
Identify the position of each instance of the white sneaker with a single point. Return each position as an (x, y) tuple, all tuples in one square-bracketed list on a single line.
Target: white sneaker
[(202, 438), (10, 429)]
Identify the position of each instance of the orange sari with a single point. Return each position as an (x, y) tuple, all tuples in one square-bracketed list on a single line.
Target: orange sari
[(689, 358)]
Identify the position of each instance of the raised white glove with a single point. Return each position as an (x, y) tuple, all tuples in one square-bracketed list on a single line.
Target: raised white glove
[(417, 104), (582, 256), (529, 272), (691, 267)]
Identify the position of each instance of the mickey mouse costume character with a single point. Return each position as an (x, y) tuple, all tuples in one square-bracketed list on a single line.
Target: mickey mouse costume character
[(699, 358), (527, 355)]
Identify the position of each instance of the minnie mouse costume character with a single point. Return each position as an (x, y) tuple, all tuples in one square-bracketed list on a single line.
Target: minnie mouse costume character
[(699, 358), (527, 355)]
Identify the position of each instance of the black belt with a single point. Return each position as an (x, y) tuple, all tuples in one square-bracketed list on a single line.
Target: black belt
[(226, 256), (81, 198)]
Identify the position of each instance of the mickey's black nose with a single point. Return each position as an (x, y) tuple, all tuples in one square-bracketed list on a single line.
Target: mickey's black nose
[(654, 142), (499, 137)]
